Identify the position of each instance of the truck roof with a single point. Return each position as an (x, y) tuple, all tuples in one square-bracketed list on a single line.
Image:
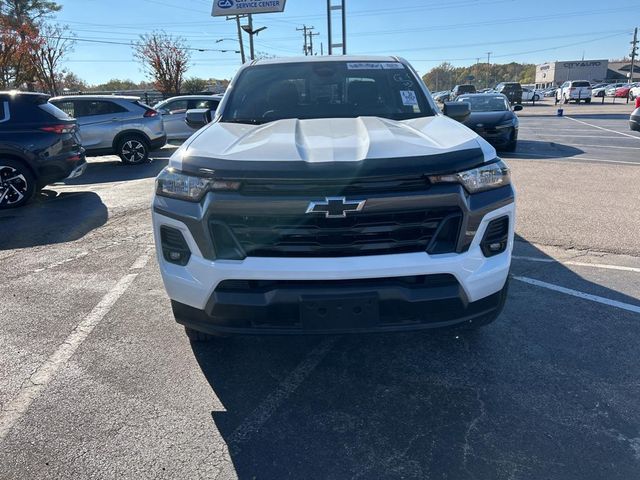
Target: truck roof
[(328, 58)]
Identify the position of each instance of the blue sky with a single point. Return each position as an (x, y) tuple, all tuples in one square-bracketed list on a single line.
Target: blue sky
[(426, 32)]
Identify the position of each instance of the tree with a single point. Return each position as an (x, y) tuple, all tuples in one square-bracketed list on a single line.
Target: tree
[(445, 75), (16, 43), (70, 81), (24, 18), (165, 59), (194, 85), (27, 11), (55, 43)]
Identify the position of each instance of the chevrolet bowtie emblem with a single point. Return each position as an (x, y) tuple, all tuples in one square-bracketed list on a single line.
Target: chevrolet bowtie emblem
[(335, 207)]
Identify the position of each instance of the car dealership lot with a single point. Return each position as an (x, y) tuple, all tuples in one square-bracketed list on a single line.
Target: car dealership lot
[(98, 381)]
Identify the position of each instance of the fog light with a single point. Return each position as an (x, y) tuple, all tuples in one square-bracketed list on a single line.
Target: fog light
[(495, 237), (174, 247)]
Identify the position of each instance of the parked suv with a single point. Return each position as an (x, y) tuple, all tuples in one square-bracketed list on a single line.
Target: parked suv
[(173, 112), (461, 90), (574, 90), (330, 194), (511, 90), (39, 145), (115, 124)]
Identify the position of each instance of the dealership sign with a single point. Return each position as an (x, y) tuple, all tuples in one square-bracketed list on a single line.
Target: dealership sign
[(223, 8)]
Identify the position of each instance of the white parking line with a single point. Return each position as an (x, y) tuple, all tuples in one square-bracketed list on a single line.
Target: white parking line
[(578, 264), (579, 294), (13, 411), (567, 159), (604, 146), (602, 128), (564, 135)]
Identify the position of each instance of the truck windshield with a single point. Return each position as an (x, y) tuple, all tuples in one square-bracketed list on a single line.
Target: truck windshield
[(307, 90)]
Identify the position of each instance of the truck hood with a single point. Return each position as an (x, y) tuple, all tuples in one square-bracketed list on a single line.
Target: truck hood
[(327, 141)]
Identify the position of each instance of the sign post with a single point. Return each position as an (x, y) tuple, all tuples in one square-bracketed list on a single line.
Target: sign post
[(235, 9)]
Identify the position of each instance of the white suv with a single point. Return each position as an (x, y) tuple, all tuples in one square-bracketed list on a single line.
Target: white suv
[(331, 195), (575, 90)]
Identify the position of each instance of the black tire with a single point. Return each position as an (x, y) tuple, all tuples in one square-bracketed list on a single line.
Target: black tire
[(198, 336), (587, 100), (133, 149), (536, 98), (565, 100), (17, 184)]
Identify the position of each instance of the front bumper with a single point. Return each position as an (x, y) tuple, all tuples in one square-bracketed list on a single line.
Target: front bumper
[(476, 294), (499, 137)]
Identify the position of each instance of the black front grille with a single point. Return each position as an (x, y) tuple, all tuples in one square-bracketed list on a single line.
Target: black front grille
[(359, 234), (336, 187)]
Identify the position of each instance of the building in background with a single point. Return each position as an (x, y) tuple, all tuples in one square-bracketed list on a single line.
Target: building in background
[(552, 74), (620, 71)]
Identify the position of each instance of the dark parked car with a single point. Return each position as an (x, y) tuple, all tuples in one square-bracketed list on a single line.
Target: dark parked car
[(39, 145), (461, 90), (634, 120), (512, 90), (493, 119)]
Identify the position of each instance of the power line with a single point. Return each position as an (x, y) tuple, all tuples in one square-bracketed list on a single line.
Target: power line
[(131, 44)]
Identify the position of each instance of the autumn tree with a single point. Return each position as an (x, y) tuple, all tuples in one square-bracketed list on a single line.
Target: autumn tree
[(55, 43), (16, 44), (165, 59), (20, 22)]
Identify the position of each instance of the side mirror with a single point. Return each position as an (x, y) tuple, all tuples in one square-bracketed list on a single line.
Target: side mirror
[(459, 111), (164, 111), (517, 108), (198, 117)]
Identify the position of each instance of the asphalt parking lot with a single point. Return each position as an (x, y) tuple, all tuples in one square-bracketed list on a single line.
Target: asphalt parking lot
[(97, 380)]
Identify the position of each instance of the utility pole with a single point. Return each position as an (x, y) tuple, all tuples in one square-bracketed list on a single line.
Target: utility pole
[(311, 35), (488, 67), (304, 29), (634, 52)]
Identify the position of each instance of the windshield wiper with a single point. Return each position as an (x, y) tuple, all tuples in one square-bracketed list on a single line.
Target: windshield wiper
[(250, 121)]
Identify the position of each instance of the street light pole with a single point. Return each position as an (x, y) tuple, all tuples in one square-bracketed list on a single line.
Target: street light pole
[(488, 67), (240, 39)]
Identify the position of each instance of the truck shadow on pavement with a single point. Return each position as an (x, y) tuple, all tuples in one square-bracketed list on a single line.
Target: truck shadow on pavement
[(549, 390), (543, 148), (51, 217)]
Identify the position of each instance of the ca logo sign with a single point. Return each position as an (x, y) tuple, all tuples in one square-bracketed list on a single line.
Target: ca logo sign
[(225, 3)]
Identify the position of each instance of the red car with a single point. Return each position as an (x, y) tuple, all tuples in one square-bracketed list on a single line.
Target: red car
[(622, 92)]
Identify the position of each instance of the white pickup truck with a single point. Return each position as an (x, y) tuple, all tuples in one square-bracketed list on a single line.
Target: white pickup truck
[(331, 195)]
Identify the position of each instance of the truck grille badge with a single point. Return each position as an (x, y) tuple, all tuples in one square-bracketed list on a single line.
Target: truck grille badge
[(335, 207)]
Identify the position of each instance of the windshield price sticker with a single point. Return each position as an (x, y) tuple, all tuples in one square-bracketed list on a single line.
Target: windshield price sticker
[(374, 66), (409, 97)]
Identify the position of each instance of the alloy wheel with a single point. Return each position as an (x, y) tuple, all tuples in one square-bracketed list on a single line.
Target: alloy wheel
[(133, 151), (13, 186)]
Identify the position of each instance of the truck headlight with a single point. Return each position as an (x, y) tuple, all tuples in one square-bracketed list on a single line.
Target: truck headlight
[(175, 184), (486, 177)]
